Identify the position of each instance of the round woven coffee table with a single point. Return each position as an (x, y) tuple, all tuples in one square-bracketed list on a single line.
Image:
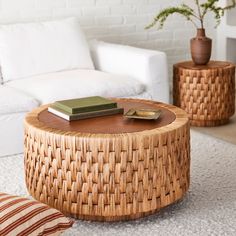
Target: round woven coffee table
[(206, 93), (108, 168)]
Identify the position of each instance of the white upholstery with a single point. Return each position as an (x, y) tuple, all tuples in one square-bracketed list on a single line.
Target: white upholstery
[(148, 66), (11, 133), (77, 83), (13, 101), (37, 48)]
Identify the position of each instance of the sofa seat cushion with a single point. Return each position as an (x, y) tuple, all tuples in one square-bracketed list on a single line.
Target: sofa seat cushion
[(77, 83), (13, 101)]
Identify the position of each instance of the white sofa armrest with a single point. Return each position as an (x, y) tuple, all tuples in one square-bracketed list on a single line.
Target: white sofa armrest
[(147, 66)]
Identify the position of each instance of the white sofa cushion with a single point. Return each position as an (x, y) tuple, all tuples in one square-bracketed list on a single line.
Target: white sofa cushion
[(13, 101), (37, 48), (77, 83)]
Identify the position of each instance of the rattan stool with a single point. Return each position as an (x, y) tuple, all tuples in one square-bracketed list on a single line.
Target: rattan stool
[(108, 168), (206, 93)]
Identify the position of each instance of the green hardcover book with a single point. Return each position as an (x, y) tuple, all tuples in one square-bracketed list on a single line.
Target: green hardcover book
[(79, 116), (86, 104)]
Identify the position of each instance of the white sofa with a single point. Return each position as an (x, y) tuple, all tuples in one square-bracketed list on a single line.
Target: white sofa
[(38, 68)]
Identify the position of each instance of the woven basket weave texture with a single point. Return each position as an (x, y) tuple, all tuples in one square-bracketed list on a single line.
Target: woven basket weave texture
[(108, 177), (207, 94)]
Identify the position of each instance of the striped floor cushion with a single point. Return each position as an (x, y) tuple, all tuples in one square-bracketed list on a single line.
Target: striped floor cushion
[(21, 217)]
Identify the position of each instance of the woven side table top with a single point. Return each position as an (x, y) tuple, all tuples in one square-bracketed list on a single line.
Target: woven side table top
[(206, 93), (114, 170)]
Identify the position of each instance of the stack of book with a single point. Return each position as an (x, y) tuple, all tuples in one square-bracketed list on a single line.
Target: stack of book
[(82, 108)]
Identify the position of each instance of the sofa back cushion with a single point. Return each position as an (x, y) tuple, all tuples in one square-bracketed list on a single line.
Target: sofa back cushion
[(30, 49)]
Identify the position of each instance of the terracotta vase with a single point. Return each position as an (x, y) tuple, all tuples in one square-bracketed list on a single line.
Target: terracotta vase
[(201, 48)]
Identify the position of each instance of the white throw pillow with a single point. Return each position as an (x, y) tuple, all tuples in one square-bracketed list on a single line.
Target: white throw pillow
[(30, 49)]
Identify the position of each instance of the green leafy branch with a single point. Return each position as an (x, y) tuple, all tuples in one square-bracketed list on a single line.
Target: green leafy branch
[(193, 15), (183, 10), (218, 11)]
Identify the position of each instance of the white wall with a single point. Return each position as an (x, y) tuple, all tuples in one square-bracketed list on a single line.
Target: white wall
[(119, 21), (226, 40)]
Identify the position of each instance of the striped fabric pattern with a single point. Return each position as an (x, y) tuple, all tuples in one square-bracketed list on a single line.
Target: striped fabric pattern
[(21, 217)]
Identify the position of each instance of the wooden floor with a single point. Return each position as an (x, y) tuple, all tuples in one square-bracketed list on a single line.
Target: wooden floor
[(224, 132)]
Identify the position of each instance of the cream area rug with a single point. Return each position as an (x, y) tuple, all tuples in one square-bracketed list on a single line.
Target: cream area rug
[(209, 208)]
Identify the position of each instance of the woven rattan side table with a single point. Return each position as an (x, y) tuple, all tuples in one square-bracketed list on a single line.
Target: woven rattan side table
[(108, 168), (206, 93)]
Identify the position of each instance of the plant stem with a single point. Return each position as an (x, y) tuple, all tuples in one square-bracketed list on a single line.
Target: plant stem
[(199, 13)]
